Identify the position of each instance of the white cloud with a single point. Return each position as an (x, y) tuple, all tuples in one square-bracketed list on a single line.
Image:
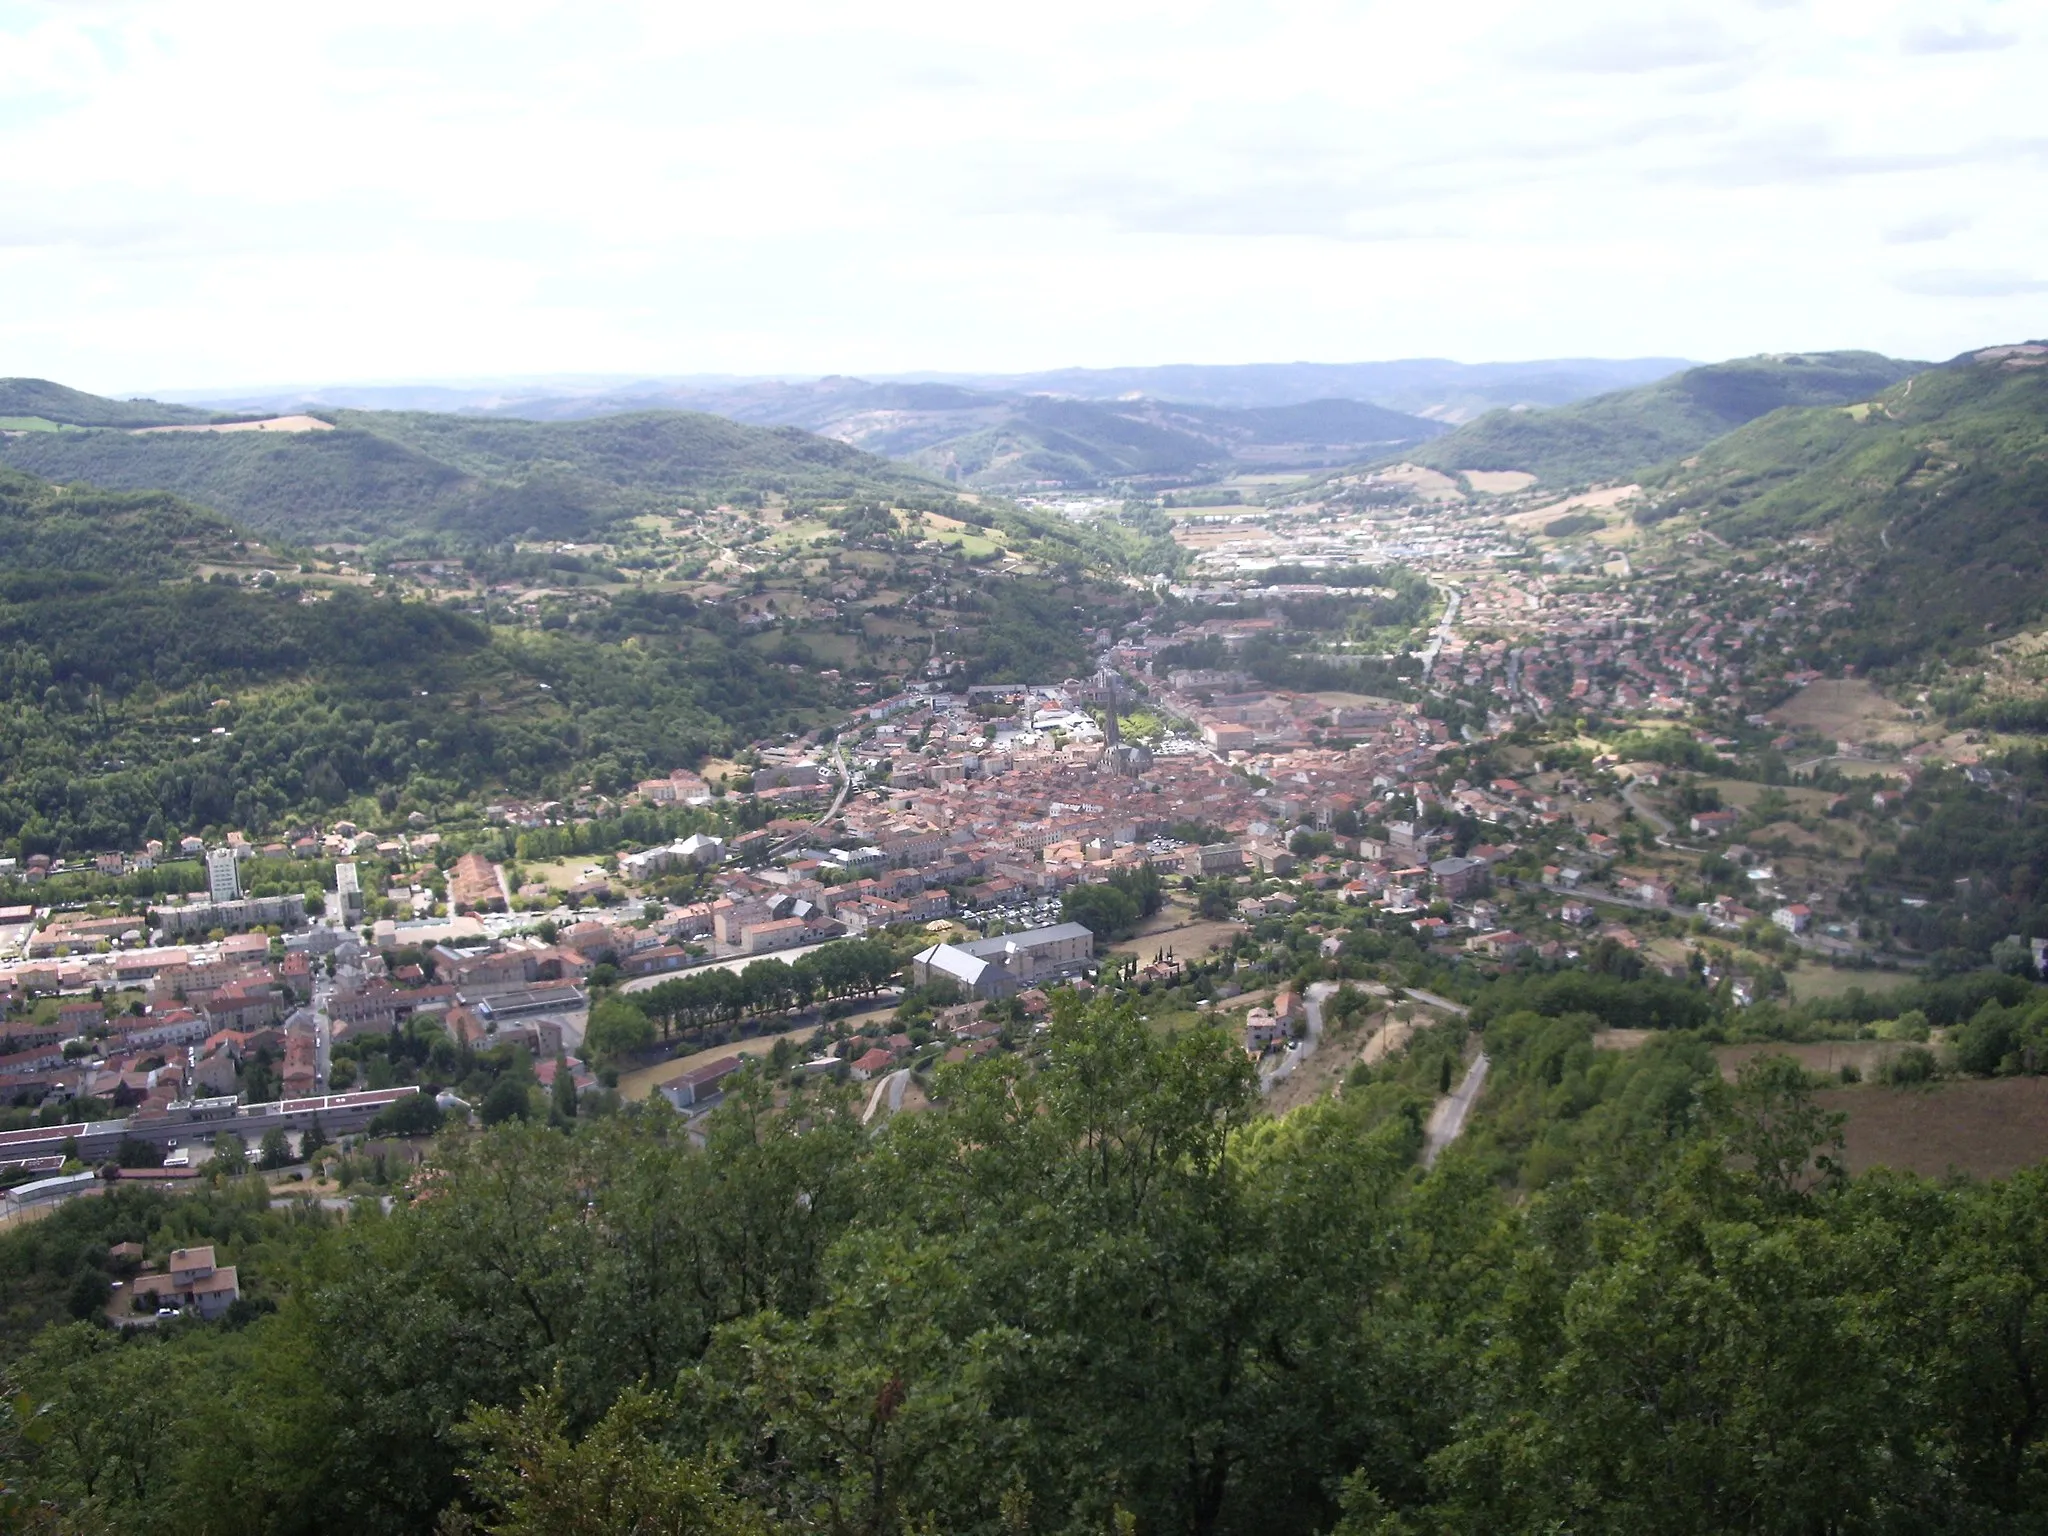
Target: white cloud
[(215, 192)]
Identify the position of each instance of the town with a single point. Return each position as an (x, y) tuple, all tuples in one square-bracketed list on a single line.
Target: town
[(1566, 757)]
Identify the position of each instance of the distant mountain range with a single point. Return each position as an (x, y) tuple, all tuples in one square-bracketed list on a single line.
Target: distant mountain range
[(1068, 429)]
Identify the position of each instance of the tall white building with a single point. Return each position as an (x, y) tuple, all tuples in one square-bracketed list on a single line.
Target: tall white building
[(348, 891), (223, 875)]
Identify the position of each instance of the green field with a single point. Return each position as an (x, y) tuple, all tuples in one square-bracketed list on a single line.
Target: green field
[(1811, 982)]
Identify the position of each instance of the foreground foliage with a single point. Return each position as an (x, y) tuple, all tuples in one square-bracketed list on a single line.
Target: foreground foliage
[(1106, 1295)]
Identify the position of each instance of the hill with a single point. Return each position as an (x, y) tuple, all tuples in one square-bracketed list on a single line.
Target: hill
[(1618, 435), (38, 404), (394, 474), (1937, 488), (139, 535), (1018, 441)]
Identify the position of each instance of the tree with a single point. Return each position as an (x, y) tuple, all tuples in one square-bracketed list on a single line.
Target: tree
[(275, 1150), (414, 1115), (562, 1093), (1103, 910), (617, 1029), (230, 1152), (507, 1100), (621, 1476)]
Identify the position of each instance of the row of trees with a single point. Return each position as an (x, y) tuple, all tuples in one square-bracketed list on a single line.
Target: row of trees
[(691, 1004)]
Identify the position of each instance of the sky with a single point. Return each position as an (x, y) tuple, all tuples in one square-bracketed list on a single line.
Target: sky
[(223, 195)]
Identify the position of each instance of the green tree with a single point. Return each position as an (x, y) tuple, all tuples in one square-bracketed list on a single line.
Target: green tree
[(616, 1029), (507, 1100), (275, 1150)]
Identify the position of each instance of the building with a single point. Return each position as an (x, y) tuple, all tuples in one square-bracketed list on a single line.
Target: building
[(348, 892), (1458, 878), (1796, 918), (473, 885), (998, 967), (688, 1089), (235, 916), (223, 876), (1215, 859)]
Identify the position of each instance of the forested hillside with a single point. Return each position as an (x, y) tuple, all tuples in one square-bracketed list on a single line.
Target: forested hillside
[(41, 404), (1937, 488), (387, 475), (1617, 436)]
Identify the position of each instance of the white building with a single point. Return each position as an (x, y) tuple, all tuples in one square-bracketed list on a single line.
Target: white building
[(348, 892), (223, 876)]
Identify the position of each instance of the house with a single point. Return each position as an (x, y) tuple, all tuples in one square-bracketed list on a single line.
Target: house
[(871, 1062), (687, 1089), (1262, 1028), (191, 1280), (1796, 918), (1715, 823), (1505, 945)]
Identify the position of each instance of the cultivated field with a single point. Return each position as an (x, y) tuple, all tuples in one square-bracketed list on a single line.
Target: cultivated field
[(1499, 482), (273, 424), (1989, 1127)]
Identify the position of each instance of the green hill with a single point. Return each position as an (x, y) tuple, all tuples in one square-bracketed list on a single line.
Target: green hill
[(1938, 486), (139, 535), (59, 405), (1617, 436), (393, 474)]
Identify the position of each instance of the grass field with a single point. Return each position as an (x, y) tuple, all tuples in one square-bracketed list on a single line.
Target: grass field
[(1988, 1127), (1812, 981)]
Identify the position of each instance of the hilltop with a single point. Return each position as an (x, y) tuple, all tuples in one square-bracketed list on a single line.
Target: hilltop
[(1937, 488), (38, 405), (1618, 435)]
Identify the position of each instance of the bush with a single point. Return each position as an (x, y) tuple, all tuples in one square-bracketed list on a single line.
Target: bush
[(1911, 1066)]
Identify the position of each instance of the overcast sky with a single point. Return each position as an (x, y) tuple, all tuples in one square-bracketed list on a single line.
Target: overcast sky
[(199, 194)]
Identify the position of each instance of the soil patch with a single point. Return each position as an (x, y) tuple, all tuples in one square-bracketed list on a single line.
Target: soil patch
[(1988, 1127), (1846, 709)]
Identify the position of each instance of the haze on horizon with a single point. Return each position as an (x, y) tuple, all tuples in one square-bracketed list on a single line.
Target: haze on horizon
[(222, 195)]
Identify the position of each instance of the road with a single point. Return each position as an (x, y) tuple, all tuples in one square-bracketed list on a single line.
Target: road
[(1440, 634), (1437, 1002), (1448, 1118), (893, 1084), (838, 800), (1657, 823)]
